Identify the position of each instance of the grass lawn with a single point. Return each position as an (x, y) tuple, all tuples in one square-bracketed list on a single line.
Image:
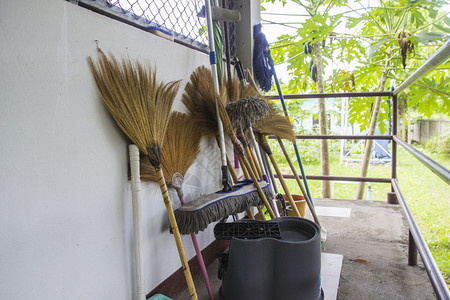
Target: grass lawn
[(426, 194)]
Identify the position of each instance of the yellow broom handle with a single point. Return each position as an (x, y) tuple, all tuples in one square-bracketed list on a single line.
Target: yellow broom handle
[(231, 169), (244, 170), (251, 163), (258, 188), (297, 178), (259, 207), (258, 167), (176, 234), (250, 213), (284, 185)]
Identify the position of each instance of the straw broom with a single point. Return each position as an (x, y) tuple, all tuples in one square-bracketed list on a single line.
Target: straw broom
[(181, 148), (141, 107), (199, 98)]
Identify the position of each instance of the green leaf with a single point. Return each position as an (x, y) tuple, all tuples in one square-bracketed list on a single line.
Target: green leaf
[(442, 28)]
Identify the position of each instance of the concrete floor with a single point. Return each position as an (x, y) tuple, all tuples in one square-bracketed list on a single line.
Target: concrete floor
[(372, 237)]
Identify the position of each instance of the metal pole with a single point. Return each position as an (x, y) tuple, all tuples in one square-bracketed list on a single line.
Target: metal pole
[(394, 143), (438, 282), (412, 250), (435, 167)]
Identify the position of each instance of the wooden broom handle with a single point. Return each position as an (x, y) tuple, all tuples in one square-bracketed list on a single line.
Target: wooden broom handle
[(284, 185), (251, 163), (258, 187), (259, 207), (255, 160), (246, 176), (297, 178), (244, 170), (176, 234), (232, 171)]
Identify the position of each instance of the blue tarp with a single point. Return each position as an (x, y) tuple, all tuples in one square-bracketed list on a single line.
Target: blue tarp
[(380, 148)]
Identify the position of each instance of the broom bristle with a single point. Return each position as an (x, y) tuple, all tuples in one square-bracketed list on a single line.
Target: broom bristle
[(139, 105), (275, 123), (236, 91), (249, 91), (233, 90), (200, 100), (181, 148)]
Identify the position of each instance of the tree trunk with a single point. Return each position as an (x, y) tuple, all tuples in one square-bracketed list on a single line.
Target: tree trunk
[(324, 155), (402, 117), (369, 143)]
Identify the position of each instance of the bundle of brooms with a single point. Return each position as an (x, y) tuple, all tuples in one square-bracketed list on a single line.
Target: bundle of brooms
[(279, 125), (199, 98), (141, 106)]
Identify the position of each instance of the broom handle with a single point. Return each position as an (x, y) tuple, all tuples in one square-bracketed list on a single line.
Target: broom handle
[(256, 163), (271, 179), (294, 143), (176, 233), (244, 170), (213, 63), (297, 178), (246, 176), (284, 185), (255, 145), (249, 211), (251, 163), (232, 171), (137, 220), (201, 262), (258, 187), (269, 170)]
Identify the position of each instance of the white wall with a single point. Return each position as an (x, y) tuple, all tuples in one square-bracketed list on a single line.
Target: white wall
[(65, 202)]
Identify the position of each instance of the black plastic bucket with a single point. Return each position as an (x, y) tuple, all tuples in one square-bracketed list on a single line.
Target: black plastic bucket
[(286, 267)]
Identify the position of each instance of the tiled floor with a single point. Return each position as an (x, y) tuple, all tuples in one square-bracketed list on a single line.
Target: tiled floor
[(330, 273)]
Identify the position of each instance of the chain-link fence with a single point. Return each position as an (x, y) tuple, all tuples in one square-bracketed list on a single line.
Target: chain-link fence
[(180, 18)]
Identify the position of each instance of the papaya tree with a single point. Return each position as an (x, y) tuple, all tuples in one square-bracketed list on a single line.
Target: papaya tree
[(400, 36), (387, 43), (304, 53)]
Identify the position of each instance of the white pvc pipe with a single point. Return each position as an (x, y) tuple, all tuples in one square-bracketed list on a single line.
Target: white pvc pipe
[(137, 220)]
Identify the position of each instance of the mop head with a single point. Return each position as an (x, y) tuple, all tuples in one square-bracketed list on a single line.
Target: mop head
[(246, 111), (196, 215), (262, 60)]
